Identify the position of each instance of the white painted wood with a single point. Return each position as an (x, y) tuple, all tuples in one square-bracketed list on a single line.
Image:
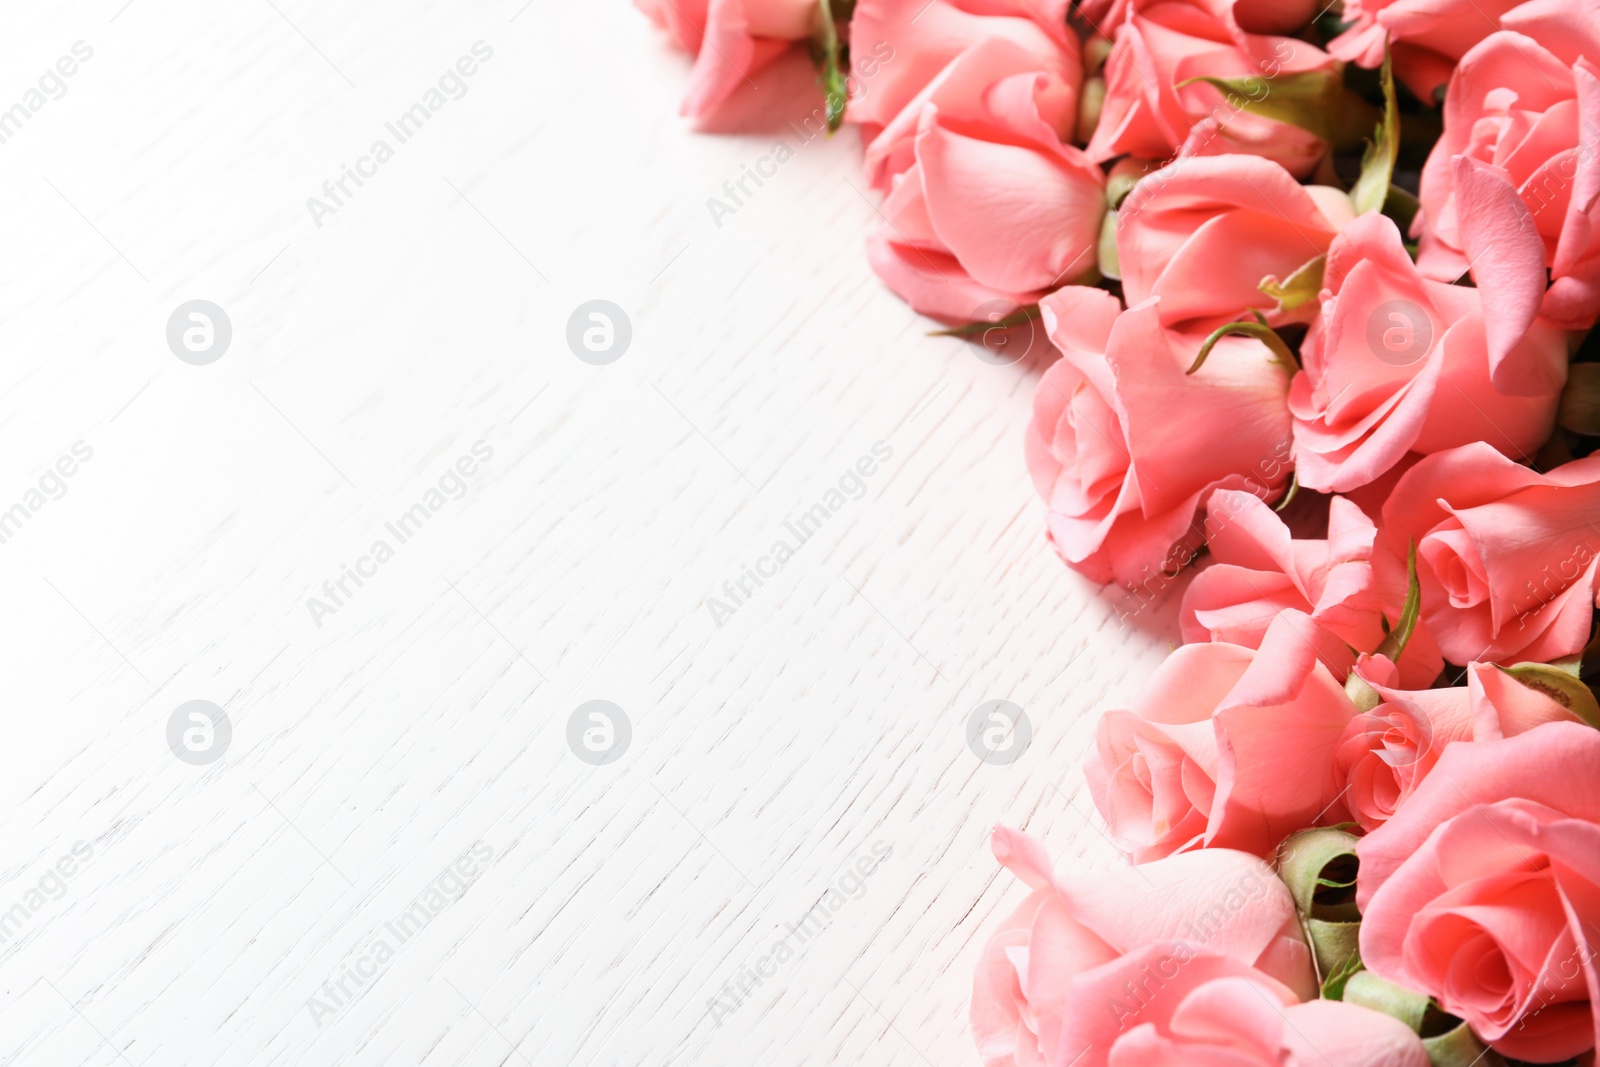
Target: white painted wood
[(429, 712)]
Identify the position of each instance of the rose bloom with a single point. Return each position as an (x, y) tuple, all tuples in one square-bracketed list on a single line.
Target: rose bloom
[(1531, 109), (1349, 583), (1149, 113), (1125, 446), (899, 46), (730, 40), (986, 204), (1400, 363), (1387, 752), (1192, 959), (1168, 927), (1203, 234), (1226, 747), (1483, 890), (1427, 36), (1508, 557), (1245, 1022)]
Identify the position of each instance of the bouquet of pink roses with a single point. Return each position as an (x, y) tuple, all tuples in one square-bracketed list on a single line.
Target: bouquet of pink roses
[(1321, 280)]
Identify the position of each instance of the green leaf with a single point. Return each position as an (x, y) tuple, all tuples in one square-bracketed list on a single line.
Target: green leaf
[(825, 51), (1557, 682), (1395, 644), (1377, 163), (1025, 313), (1333, 985), (1261, 332), (1298, 288), (1310, 100)]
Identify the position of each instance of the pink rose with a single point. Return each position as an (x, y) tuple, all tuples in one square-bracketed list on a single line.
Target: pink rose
[(1530, 108), (1149, 112), (1245, 1022), (1400, 363), (1508, 557), (899, 46), (1387, 752), (986, 204), (1204, 233), (1227, 747), (730, 39), (1427, 36), (1483, 890), (1050, 984), (1125, 446), (1348, 583)]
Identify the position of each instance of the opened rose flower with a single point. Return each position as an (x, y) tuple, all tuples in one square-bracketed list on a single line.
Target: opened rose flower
[(1349, 583), (1205, 233), (986, 206), (1155, 109), (900, 46), (1226, 747), (1483, 890), (1387, 752), (730, 39), (1124, 446), (1050, 982), (1427, 36), (1509, 557), (1400, 363), (1530, 107)]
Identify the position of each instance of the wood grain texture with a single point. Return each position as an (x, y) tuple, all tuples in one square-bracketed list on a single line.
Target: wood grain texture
[(428, 715)]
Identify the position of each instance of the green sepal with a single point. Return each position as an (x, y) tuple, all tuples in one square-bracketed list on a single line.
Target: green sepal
[(1333, 985), (1109, 261), (1258, 330), (1559, 682), (1025, 313), (825, 51), (1288, 497), (1310, 99), (1298, 288), (1460, 1047), (1361, 693), (1394, 645), (1380, 994), (1319, 868), (1377, 162)]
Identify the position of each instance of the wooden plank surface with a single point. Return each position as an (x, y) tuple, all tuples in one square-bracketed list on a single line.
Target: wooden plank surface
[(397, 857)]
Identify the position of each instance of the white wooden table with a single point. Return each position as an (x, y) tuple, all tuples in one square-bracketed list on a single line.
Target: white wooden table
[(396, 857)]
